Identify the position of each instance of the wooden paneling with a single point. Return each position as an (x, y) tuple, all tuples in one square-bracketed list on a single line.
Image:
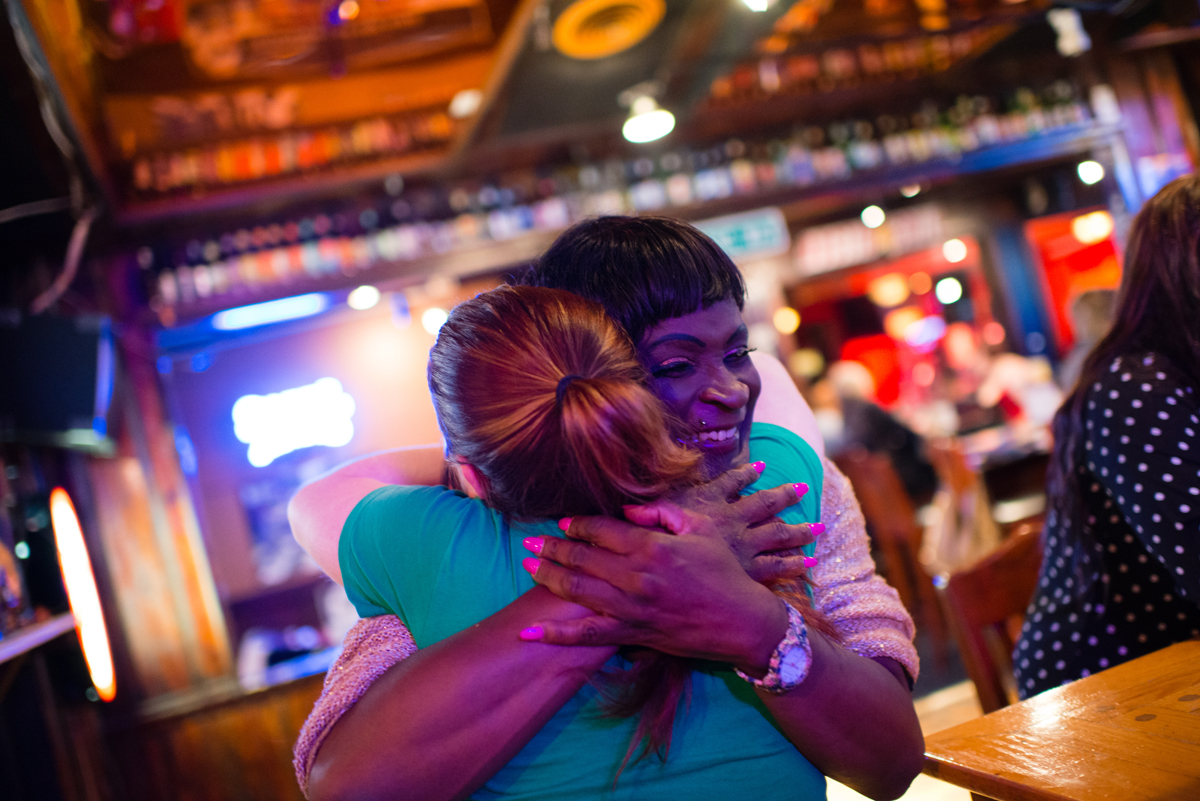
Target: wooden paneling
[(240, 750)]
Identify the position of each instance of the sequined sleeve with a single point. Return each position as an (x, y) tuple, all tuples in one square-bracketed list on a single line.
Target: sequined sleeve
[(860, 604), (372, 646)]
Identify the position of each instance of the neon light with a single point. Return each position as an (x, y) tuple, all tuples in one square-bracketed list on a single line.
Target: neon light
[(273, 311), (81, 592), (273, 425)]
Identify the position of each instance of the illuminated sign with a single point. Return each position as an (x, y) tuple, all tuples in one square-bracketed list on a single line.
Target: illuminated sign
[(273, 311), (276, 424), (752, 234), (81, 592)]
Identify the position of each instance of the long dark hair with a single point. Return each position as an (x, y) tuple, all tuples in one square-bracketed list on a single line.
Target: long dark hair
[(1157, 310), (642, 270), (542, 393)]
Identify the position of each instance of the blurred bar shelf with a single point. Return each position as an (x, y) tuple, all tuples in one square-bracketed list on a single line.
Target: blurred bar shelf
[(485, 255), (30, 637)]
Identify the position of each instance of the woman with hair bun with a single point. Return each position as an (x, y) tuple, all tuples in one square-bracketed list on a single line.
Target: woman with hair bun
[(545, 412)]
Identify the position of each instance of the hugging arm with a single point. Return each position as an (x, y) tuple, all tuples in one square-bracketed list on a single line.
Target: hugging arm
[(852, 717), (318, 511), (397, 727), (440, 722)]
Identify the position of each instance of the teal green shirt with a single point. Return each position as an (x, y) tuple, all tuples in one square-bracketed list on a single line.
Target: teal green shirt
[(441, 562)]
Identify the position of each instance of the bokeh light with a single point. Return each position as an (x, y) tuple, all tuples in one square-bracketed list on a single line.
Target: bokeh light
[(948, 290), (873, 216), (923, 374), (363, 298), (786, 320), (888, 290), (1090, 172), (955, 250), (993, 333), (433, 318), (1092, 228)]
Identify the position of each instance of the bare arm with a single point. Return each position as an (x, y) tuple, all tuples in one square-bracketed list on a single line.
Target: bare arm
[(781, 404), (413, 727), (852, 717), (440, 723), (318, 511)]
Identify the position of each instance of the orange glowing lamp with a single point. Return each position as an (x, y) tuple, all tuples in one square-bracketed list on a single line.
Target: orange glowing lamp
[(81, 592)]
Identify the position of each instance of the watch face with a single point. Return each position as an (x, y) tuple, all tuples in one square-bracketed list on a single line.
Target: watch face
[(793, 666)]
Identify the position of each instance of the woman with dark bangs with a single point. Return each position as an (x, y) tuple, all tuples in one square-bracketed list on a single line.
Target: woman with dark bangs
[(1120, 577), (851, 716)]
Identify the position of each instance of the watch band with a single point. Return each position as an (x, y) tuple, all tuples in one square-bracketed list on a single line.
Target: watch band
[(791, 659)]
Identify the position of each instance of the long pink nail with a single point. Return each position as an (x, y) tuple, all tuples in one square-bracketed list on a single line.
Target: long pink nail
[(816, 529), (531, 565), (564, 524), (534, 544), (810, 561), (801, 489), (532, 633), (759, 466)]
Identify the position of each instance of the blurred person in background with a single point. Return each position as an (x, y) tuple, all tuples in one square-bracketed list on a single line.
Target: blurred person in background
[(1091, 315), (849, 418), (1121, 572)]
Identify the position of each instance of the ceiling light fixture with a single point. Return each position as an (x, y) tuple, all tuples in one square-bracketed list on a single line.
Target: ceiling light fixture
[(647, 122), (758, 5)]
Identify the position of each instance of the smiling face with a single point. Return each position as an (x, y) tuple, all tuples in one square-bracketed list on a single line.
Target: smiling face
[(700, 367)]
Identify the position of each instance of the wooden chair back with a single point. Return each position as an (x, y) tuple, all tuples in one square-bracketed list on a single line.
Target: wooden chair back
[(986, 604), (892, 523)]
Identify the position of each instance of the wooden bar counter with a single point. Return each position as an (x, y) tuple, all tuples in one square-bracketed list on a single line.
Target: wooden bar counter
[(1129, 733)]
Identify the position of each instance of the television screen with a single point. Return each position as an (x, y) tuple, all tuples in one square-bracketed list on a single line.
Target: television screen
[(56, 381)]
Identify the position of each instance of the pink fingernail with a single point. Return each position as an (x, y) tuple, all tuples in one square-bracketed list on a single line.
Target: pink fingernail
[(564, 524), (532, 633), (534, 544), (810, 561), (759, 466), (531, 565), (817, 529), (800, 488)]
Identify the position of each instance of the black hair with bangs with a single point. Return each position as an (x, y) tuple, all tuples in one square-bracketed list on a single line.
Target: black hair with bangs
[(642, 270)]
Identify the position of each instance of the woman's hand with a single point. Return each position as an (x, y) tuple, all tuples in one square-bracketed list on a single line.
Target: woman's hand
[(694, 589), (686, 595), (767, 548)]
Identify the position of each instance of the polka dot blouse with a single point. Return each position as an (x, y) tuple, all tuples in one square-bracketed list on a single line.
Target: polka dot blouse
[(1140, 477)]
